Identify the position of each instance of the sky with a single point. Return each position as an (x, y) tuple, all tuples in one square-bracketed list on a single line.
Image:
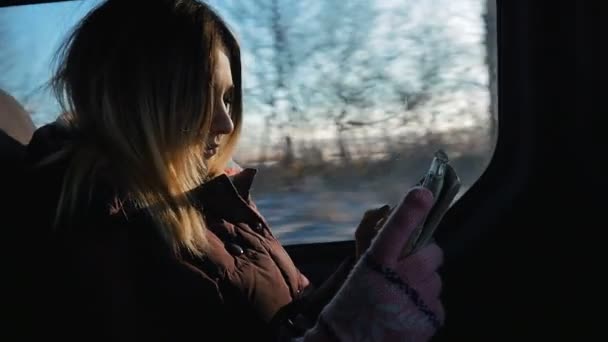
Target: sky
[(35, 32)]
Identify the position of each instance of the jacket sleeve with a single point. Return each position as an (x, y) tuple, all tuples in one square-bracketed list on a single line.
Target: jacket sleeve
[(316, 297), (302, 314)]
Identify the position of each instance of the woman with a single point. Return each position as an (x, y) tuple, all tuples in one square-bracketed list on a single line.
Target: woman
[(139, 232)]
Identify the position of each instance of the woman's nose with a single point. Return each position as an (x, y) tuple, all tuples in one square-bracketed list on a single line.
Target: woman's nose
[(222, 122)]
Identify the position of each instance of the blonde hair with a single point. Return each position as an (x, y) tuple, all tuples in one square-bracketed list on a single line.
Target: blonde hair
[(141, 104)]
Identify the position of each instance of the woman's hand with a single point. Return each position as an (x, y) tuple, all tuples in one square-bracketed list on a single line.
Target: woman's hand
[(368, 228), (418, 270), (388, 297)]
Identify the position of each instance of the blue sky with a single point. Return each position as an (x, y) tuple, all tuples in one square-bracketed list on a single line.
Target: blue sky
[(34, 32)]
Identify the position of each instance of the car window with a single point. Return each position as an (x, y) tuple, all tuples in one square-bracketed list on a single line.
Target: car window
[(345, 101)]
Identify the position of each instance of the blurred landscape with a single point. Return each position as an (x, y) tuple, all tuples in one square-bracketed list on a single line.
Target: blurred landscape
[(310, 199), (345, 101)]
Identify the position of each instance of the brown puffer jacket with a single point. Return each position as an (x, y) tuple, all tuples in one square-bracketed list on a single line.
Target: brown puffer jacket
[(112, 277)]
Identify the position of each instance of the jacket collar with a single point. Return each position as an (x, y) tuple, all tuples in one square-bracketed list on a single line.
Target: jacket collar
[(225, 195), (243, 181)]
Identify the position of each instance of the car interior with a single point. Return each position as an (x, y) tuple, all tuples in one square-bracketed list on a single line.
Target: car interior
[(518, 242)]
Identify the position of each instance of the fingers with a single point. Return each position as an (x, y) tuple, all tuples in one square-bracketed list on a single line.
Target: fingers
[(386, 210), (368, 228), (382, 212), (430, 292), (419, 270), (439, 310), (370, 220), (421, 265), (432, 286), (401, 224)]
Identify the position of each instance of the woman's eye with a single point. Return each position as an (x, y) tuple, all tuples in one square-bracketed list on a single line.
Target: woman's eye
[(227, 101)]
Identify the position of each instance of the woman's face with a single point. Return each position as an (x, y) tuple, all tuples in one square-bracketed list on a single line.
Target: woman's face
[(221, 123)]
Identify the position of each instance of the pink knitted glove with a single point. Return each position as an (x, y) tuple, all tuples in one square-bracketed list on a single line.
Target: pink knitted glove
[(386, 297)]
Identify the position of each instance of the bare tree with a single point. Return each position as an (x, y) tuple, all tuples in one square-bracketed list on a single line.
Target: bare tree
[(347, 71), (273, 33), (327, 61), (405, 83)]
